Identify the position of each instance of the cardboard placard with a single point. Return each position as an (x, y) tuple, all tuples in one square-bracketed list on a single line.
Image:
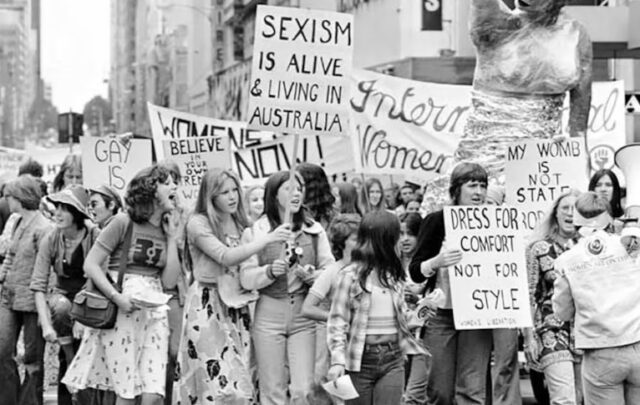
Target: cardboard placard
[(489, 287), (300, 74)]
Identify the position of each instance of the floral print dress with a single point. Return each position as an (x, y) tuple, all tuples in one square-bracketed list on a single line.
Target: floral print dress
[(555, 338), (214, 357)]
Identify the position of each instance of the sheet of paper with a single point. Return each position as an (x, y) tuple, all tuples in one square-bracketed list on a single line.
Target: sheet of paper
[(342, 388)]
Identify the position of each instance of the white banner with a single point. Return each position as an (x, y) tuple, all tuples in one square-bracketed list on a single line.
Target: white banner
[(406, 127), (50, 158), (255, 155), (300, 74), (10, 161), (489, 287), (537, 172), (113, 161)]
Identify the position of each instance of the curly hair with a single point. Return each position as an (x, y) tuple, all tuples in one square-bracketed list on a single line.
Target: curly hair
[(141, 192), (317, 197)]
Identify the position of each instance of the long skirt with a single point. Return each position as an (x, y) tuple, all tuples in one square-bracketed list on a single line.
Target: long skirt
[(215, 350), (131, 358)]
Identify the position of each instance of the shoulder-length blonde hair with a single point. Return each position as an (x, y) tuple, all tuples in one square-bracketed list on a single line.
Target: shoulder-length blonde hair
[(210, 188)]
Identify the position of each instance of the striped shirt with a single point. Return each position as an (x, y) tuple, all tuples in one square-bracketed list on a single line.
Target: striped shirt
[(349, 317)]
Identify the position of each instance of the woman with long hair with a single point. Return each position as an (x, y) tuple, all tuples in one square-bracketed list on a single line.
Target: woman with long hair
[(254, 203), (216, 322), (63, 252), (372, 196), (318, 199), (548, 345), (70, 173), (462, 356), (17, 301), (131, 358), (606, 184), (346, 197), (282, 273), (367, 327)]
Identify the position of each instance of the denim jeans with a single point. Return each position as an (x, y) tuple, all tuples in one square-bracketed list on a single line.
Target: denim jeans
[(11, 322), (381, 377), (416, 390), (561, 383), (460, 362), (505, 372), (612, 375), (283, 337)]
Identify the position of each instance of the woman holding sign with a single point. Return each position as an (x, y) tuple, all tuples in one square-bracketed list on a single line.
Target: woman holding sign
[(549, 345), (461, 358), (283, 273)]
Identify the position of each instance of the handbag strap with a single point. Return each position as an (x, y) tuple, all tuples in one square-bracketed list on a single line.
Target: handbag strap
[(126, 245)]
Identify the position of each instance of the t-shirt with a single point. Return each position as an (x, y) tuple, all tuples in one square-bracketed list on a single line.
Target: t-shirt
[(148, 251)]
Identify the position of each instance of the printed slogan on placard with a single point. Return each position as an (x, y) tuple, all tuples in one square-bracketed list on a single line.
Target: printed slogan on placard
[(489, 286), (538, 172), (300, 73)]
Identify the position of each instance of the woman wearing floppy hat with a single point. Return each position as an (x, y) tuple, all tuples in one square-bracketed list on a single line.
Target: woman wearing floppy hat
[(63, 251)]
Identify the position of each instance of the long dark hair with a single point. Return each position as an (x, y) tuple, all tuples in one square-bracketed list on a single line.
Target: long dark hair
[(616, 196), (348, 198), (317, 197), (365, 200), (378, 235), (271, 209)]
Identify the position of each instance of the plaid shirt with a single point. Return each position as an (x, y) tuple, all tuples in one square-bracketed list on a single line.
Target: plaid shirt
[(349, 317)]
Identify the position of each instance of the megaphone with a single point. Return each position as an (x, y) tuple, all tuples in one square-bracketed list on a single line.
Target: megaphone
[(627, 158)]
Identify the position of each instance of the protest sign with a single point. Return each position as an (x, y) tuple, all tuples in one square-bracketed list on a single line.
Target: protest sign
[(538, 172), (50, 158), (113, 161), (489, 285), (194, 156), (300, 71), (255, 155), (406, 127), (10, 161)]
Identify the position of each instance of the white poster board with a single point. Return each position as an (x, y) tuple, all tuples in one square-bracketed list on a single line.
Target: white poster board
[(489, 286), (300, 74), (50, 158), (10, 161), (538, 172), (113, 161), (194, 156)]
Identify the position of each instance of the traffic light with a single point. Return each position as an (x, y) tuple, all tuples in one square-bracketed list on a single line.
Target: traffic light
[(69, 124)]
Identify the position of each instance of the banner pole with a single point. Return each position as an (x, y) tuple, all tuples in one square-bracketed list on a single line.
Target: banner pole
[(288, 216)]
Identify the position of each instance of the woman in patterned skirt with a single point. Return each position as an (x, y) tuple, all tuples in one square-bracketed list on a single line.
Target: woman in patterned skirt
[(214, 360), (131, 358)]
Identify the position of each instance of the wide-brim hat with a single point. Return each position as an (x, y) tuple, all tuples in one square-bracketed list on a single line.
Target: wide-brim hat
[(75, 196), (109, 192)]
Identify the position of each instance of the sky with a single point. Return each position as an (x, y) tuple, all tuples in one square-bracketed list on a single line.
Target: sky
[(75, 50)]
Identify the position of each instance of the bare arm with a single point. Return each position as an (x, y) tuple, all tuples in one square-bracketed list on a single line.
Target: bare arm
[(580, 96), (312, 309)]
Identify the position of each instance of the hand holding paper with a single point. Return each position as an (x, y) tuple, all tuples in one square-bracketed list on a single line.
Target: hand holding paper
[(341, 388)]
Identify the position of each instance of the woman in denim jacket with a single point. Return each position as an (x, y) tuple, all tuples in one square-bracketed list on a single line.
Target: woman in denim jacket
[(17, 302), (282, 273)]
